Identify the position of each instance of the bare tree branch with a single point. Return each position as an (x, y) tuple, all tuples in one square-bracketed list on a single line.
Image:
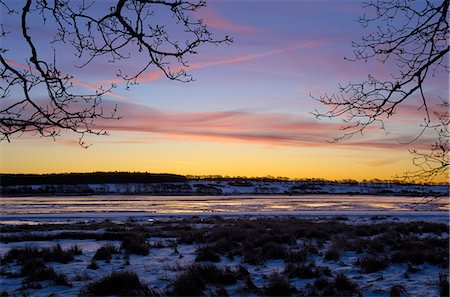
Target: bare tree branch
[(413, 36), (116, 31)]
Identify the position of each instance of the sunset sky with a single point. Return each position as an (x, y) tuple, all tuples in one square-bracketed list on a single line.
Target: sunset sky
[(248, 112)]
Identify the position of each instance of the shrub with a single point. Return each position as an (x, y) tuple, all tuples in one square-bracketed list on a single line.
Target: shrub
[(419, 255), (296, 256), (273, 250), (252, 255), (92, 265), (372, 263), (119, 283), (193, 281), (397, 290), (306, 271), (136, 244), (51, 254), (320, 287), (310, 248), (344, 285), (213, 275), (412, 269), (206, 254), (443, 285), (341, 285), (105, 252), (37, 271), (188, 283), (277, 285), (75, 250), (226, 247), (56, 254), (20, 254), (333, 253)]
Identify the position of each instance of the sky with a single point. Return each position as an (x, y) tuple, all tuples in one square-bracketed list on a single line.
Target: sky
[(247, 113)]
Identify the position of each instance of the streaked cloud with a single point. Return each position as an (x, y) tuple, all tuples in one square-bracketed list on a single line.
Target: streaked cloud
[(214, 20), (273, 129), (154, 75)]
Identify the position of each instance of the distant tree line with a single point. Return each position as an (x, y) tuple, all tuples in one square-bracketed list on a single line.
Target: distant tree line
[(88, 178), (144, 177), (243, 180)]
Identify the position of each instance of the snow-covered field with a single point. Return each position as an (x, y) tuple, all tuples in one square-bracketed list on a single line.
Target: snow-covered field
[(236, 255), (244, 245)]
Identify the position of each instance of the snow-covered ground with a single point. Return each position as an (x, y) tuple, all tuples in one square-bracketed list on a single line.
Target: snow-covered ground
[(170, 255), (176, 227)]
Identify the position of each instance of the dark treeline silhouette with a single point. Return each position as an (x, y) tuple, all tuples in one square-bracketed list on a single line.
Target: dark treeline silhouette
[(88, 178), (144, 177), (236, 180)]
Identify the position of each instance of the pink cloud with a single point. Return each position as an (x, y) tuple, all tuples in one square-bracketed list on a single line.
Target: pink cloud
[(275, 129), (154, 75), (216, 21)]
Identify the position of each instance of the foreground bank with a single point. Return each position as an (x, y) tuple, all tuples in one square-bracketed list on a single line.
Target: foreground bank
[(340, 256)]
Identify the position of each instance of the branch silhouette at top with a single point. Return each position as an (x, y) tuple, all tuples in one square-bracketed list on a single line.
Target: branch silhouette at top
[(117, 32)]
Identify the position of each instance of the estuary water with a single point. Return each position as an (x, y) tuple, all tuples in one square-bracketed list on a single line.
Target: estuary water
[(115, 206)]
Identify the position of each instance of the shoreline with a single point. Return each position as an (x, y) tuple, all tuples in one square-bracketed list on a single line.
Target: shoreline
[(144, 217), (151, 194)]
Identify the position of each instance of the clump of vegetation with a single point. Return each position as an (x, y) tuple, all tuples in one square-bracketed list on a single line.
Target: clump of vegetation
[(333, 253), (193, 281), (136, 244), (206, 253), (306, 271), (417, 251), (75, 250), (105, 252), (344, 285), (273, 250), (278, 285), (57, 254), (256, 241), (444, 287), (254, 254), (371, 263), (51, 254), (296, 256), (310, 248), (397, 291), (341, 285), (225, 247), (35, 270), (119, 283)]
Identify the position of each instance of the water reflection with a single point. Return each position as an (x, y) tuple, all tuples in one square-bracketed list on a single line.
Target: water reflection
[(213, 204)]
